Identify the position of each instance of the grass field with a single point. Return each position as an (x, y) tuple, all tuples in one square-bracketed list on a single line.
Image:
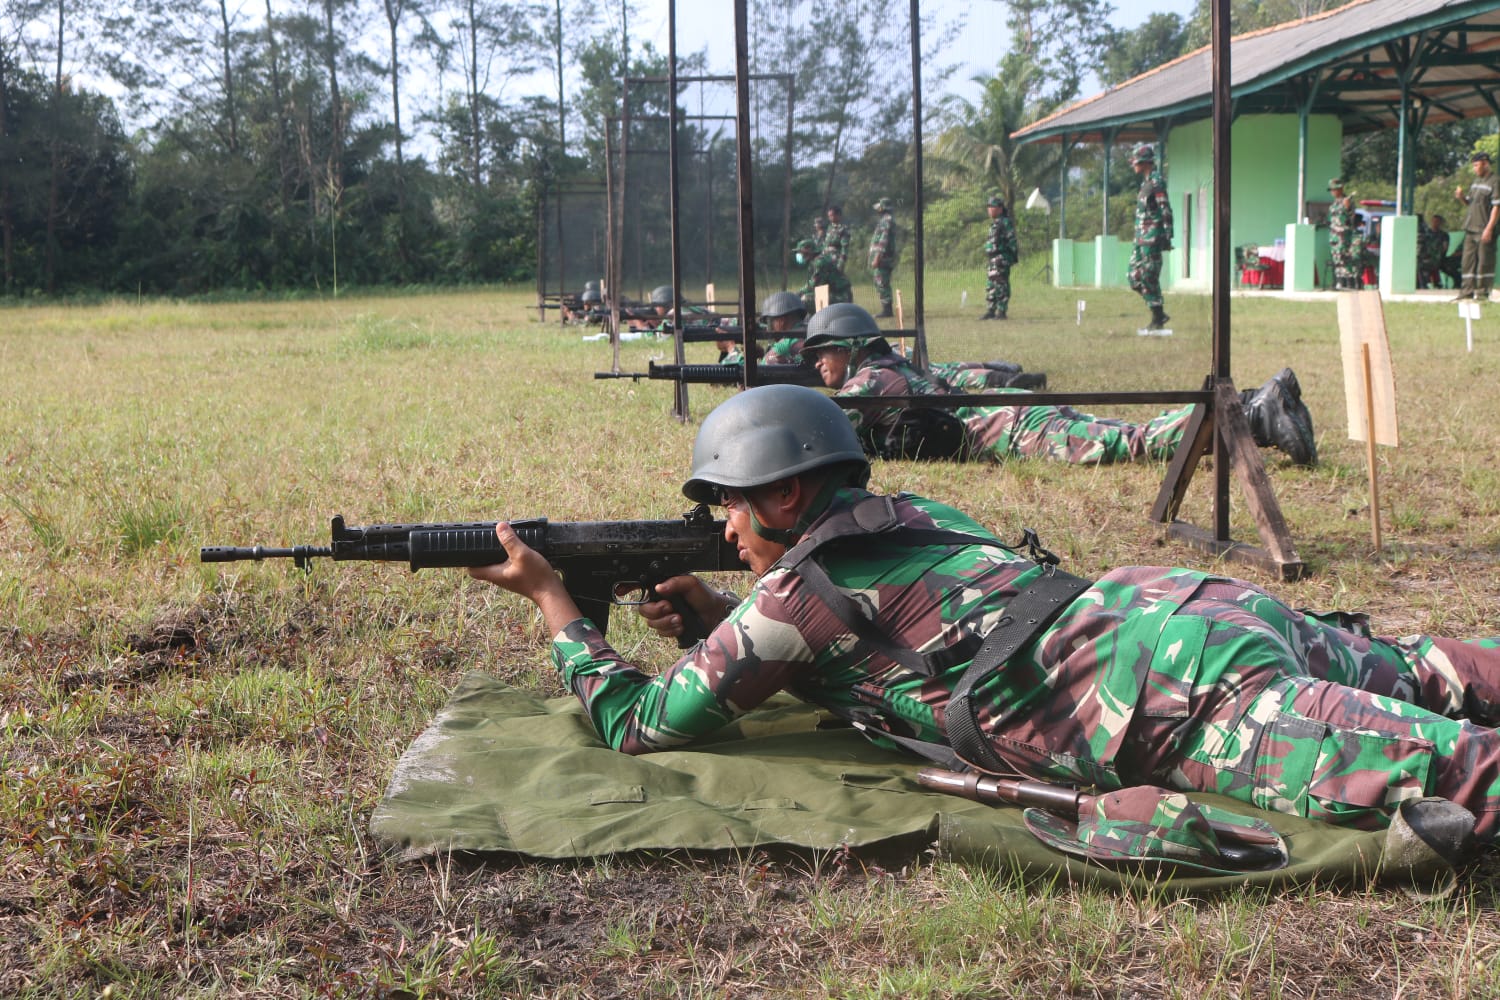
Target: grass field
[(191, 753)]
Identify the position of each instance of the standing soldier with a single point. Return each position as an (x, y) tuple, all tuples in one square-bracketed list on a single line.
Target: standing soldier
[(1479, 231), (836, 243), (1153, 233), (821, 270), (1342, 243), (820, 230), (1001, 251), (883, 255)]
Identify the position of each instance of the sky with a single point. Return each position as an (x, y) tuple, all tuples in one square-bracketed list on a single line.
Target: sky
[(711, 23)]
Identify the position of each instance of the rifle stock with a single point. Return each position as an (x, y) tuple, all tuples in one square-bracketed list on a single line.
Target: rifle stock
[(722, 374), (601, 562)]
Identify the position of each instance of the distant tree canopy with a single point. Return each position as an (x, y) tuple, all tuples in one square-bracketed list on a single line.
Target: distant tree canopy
[(193, 146)]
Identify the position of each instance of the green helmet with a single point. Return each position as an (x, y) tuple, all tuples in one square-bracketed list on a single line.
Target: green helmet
[(840, 325), (593, 285), (883, 205), (996, 201), (808, 247), (591, 295), (662, 295), (768, 433), (779, 304), (1144, 153)]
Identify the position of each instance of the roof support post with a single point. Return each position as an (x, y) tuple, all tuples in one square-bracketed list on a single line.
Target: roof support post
[(1109, 143), (1062, 188)]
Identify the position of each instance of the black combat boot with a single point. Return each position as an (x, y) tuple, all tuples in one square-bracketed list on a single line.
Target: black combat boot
[(1034, 381), (1279, 419), (989, 313), (885, 312), (1159, 318)]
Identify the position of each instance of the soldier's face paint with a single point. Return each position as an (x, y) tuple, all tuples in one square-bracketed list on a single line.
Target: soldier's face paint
[(833, 366), (756, 552)]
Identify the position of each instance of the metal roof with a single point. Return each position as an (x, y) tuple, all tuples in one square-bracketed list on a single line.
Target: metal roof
[(1346, 62)]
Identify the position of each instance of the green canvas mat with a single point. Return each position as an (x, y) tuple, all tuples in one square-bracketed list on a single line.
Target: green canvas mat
[(500, 770)]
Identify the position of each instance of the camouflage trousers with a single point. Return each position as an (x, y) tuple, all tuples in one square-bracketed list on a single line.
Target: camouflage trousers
[(1310, 715), (882, 278), (997, 287), (1145, 275), (1348, 263), (1066, 435)]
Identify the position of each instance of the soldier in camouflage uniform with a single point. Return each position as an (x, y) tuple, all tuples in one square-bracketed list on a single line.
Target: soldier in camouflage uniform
[(883, 255), (1144, 676), (821, 270), (783, 314), (1000, 251), (836, 243), (855, 360), (1153, 234), (1343, 239)]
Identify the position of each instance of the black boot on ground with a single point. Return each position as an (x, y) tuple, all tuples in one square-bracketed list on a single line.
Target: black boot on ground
[(988, 314), (1159, 318), (885, 312), (1279, 419)]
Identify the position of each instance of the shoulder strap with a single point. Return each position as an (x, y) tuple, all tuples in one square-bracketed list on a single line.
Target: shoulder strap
[(1028, 615)]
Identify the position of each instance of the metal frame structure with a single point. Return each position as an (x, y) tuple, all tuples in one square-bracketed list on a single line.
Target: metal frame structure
[(616, 160), (545, 297)]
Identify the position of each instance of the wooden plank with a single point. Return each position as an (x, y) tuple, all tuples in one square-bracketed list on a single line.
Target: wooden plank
[(1250, 470), (1197, 440)]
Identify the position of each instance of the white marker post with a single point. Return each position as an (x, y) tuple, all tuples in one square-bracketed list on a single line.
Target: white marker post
[(1369, 384), (1469, 312), (1082, 305), (901, 318)]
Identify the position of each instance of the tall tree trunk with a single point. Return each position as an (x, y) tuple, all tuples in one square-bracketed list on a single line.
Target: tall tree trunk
[(393, 10), (283, 136), (335, 106), (231, 111), (472, 85), (54, 186), (7, 193)]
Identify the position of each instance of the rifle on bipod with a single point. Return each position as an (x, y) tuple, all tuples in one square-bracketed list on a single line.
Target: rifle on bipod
[(601, 562), (722, 374), (1244, 846)]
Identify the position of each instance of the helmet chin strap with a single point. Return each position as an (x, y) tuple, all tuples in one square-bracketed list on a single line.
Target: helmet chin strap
[(789, 536)]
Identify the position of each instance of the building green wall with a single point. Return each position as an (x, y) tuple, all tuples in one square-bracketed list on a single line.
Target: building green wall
[(1263, 199)]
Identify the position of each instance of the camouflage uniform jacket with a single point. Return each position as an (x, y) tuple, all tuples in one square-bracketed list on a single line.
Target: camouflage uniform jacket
[(1151, 675), (1153, 214), (886, 374), (883, 243), (1340, 224), (824, 270), (1001, 247), (836, 243)]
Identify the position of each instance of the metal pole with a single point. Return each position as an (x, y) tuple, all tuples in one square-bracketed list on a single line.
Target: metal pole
[(680, 403), (919, 349), (611, 275), (786, 193), (1062, 189), (742, 180), (1222, 121)]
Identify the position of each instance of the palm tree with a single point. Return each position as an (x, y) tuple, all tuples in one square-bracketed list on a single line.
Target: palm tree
[(976, 149)]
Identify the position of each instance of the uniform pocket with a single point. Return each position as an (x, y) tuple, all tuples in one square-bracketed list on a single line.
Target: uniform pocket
[(1360, 777), (1173, 668)]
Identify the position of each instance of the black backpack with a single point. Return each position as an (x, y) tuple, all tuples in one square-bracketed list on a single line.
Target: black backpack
[(924, 432)]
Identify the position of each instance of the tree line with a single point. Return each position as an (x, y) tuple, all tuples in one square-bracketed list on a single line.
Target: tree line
[(188, 147)]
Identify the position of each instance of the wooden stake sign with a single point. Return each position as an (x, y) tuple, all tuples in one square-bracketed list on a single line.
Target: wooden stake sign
[(1369, 384)]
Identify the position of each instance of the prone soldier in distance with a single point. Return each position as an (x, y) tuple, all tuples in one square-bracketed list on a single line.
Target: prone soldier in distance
[(854, 358)]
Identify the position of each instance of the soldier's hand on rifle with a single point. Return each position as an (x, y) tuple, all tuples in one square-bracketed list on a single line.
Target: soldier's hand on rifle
[(711, 605), (527, 573)]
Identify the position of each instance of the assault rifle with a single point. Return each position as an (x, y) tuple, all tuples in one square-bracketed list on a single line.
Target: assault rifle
[(722, 374), (601, 562), (1243, 846)]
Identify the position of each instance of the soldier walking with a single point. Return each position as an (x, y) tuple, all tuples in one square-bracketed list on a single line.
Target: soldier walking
[(1153, 233)]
